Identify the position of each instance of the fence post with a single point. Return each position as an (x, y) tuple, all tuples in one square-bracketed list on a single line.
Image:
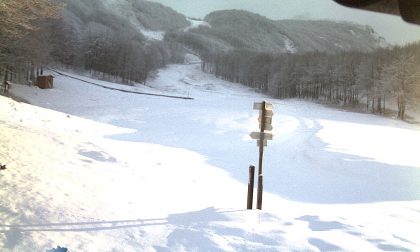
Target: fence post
[(250, 187)]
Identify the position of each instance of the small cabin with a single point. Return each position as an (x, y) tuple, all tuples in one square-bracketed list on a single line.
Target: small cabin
[(45, 81)]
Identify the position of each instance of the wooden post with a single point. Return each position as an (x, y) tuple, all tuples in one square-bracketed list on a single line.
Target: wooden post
[(6, 87), (260, 192), (265, 120), (6, 74), (250, 187), (262, 126), (260, 160)]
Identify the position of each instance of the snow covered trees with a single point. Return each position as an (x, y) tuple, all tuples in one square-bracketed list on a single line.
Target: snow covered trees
[(403, 76), (241, 30), (86, 34), (117, 53), (349, 78)]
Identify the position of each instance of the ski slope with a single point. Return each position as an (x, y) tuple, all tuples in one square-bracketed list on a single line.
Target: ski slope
[(94, 169)]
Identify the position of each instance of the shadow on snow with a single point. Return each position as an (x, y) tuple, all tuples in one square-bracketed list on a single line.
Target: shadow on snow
[(191, 231), (205, 230)]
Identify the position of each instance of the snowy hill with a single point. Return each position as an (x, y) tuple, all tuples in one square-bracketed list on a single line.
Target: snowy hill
[(235, 29), (94, 169), (323, 35), (123, 15), (220, 30)]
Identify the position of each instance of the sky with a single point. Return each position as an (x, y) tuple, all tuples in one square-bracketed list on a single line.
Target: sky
[(392, 28)]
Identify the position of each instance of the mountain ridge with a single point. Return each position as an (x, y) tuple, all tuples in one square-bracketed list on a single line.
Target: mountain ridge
[(239, 29), (227, 29)]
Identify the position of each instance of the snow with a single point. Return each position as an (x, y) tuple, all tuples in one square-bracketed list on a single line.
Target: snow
[(196, 23), (289, 44), (153, 35), (94, 169), (126, 11), (192, 59)]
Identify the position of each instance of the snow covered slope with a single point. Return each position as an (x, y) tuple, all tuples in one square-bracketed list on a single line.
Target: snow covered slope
[(236, 29), (136, 17), (101, 170)]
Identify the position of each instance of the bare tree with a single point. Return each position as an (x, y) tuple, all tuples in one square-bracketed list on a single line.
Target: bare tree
[(403, 75)]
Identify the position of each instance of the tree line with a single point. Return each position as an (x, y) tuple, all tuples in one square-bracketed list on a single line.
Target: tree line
[(120, 53), (374, 79)]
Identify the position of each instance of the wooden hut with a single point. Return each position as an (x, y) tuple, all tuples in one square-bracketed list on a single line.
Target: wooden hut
[(45, 81)]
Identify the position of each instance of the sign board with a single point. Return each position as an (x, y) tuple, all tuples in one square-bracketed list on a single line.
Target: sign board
[(261, 135), (259, 106)]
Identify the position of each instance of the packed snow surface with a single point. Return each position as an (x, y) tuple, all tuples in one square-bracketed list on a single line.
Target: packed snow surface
[(93, 169)]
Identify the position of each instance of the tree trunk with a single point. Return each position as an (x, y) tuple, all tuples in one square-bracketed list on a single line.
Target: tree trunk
[(401, 106), (373, 105), (367, 103), (384, 105)]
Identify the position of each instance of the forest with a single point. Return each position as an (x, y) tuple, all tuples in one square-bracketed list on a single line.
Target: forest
[(374, 79), (235, 29)]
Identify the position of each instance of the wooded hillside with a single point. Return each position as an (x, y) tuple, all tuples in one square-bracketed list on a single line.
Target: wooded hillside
[(242, 30), (103, 37), (384, 76)]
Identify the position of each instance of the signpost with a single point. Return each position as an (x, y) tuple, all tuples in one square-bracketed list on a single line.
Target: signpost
[(261, 135), (265, 120)]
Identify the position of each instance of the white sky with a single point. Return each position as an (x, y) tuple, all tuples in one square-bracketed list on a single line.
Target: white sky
[(392, 28)]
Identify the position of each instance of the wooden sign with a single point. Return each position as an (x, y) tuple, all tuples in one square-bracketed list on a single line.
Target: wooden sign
[(261, 135), (259, 106)]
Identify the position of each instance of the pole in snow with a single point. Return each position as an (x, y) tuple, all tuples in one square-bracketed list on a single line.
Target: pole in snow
[(265, 119)]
